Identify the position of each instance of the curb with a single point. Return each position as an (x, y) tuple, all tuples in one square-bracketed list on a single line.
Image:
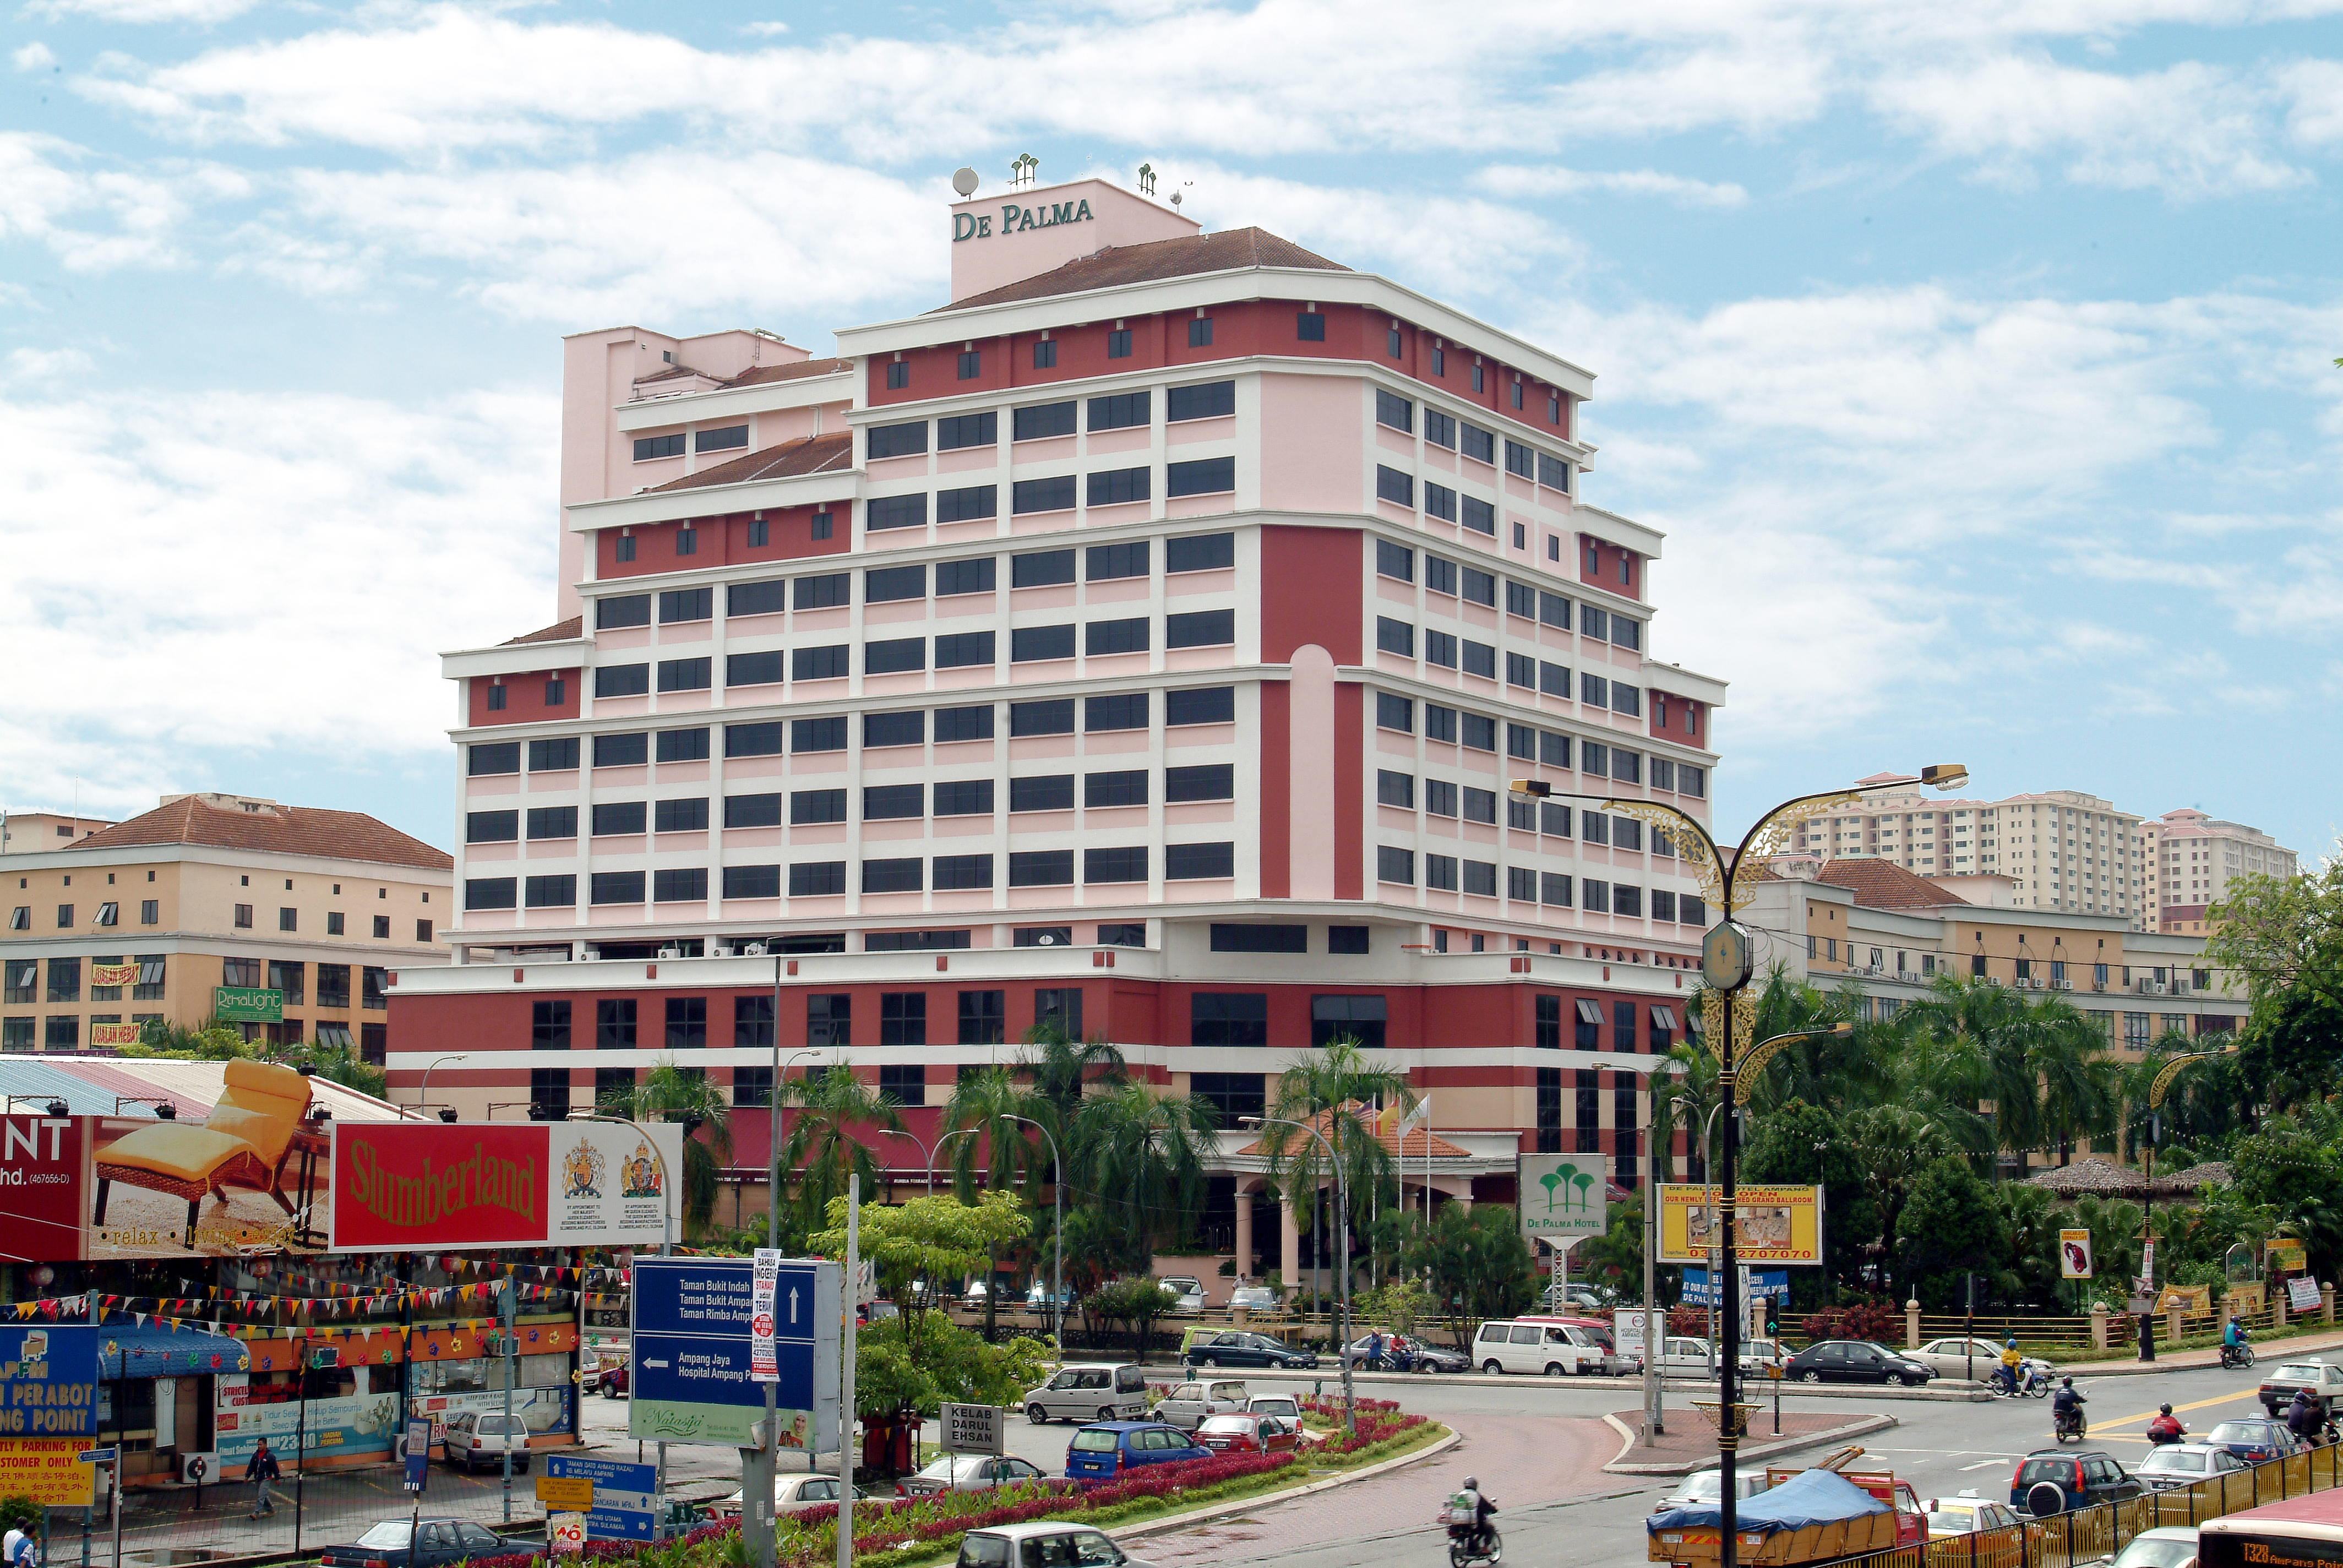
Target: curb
[(1856, 1428), (1272, 1499)]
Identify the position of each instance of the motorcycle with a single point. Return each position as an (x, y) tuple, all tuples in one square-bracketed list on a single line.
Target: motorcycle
[(2069, 1423), (2236, 1355), (2034, 1380), (1462, 1552)]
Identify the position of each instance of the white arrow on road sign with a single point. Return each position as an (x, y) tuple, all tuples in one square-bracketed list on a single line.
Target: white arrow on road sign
[(793, 1306)]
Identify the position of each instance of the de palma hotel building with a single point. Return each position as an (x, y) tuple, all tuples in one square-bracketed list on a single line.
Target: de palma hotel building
[(1145, 638)]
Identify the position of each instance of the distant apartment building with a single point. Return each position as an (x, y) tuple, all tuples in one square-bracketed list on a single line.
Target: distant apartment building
[(2061, 849), (35, 832), (2192, 859), (286, 919)]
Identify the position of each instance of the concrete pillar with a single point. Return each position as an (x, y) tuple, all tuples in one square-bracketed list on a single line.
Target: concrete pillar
[(1244, 1236), (2326, 1304), (2277, 1305), (1289, 1245), (2098, 1325), (1912, 1324), (2172, 1316)]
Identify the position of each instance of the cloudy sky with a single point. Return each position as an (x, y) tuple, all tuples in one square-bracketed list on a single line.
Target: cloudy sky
[(1975, 359)]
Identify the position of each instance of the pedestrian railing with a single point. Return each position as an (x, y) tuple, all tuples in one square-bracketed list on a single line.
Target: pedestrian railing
[(2081, 1536)]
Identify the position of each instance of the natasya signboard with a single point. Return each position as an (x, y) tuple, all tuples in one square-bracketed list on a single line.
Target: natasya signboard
[(403, 1185), (1016, 219)]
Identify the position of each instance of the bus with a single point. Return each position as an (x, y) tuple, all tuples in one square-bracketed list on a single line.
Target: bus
[(2301, 1529)]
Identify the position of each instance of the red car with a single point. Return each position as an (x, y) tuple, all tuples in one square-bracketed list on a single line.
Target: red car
[(1248, 1434)]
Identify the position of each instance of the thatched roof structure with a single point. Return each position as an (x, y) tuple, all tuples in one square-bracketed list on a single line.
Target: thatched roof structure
[(2106, 1179)]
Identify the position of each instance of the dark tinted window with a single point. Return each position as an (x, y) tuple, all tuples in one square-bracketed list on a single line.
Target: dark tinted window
[(881, 584), (1200, 552), (896, 511), (1041, 568), (1054, 717), (1126, 636), (1200, 628), (894, 729), (895, 654), (1119, 411), (965, 577), (1202, 476), (1115, 710), (1201, 705), (1051, 495), (1029, 643), (621, 751), (1115, 486), (622, 681), (752, 811), (751, 739), (633, 609), (898, 440), (1044, 419), (825, 592), (826, 734), (958, 650), (503, 756), (1207, 401), (969, 502), (1103, 562), (964, 723), (1206, 781), (683, 745), (967, 430)]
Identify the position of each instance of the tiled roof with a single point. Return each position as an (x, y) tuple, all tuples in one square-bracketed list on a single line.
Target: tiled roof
[(759, 375), (278, 829), (806, 455), (559, 631), (1187, 257), (1876, 884)]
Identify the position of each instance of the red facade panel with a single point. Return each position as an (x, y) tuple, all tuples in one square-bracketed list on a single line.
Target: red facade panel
[(525, 698), (1276, 789), (1311, 588), (1350, 790)]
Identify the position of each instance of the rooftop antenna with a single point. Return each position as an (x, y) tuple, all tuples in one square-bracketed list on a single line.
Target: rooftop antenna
[(964, 181), (1021, 171)]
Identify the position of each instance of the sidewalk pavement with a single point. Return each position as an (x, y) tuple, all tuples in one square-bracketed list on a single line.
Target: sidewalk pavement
[(1689, 1441)]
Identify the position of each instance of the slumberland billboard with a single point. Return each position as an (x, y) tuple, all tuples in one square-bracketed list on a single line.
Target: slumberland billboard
[(408, 1186)]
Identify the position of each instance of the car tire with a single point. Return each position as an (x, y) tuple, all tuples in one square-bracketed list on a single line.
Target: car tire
[(1554, 1369), (2042, 1499), (1036, 1415), (1106, 1412), (1212, 1361), (1425, 1367), (1900, 1381), (1492, 1368), (1810, 1375)]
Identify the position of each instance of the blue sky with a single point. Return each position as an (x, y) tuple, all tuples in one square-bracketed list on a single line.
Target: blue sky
[(1976, 360)]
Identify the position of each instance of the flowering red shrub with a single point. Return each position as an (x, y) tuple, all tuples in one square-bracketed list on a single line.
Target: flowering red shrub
[(1872, 1320)]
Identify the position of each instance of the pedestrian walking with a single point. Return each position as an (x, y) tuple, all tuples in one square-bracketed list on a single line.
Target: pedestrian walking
[(261, 1473)]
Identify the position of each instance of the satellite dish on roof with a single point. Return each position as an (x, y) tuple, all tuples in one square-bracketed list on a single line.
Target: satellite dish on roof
[(964, 181)]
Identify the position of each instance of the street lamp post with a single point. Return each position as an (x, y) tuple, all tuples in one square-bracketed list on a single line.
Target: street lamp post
[(925, 1153), (1341, 1256), (1727, 968), (423, 1099), (2156, 1092), (1057, 1236)]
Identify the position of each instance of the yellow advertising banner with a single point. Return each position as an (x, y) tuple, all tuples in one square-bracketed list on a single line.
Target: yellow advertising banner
[(48, 1470), (1777, 1224), (2245, 1299), (2285, 1258), (112, 974), (2194, 1301), (115, 1034), (566, 1492)]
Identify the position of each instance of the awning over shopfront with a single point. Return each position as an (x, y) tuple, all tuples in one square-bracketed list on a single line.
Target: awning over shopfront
[(159, 1351)]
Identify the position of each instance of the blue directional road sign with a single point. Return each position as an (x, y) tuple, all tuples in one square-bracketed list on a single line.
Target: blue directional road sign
[(690, 1380), (626, 1500)]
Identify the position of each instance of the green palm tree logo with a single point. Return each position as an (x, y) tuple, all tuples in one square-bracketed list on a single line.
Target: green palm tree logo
[(1562, 1176)]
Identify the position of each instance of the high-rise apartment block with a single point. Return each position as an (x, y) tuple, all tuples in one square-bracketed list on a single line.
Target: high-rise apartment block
[(2192, 859), (1145, 640)]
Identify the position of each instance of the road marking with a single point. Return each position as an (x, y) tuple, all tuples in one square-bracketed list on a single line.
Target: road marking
[(1987, 1464), (2200, 1405)]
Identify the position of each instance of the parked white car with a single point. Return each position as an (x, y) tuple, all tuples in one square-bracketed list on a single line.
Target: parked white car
[(1956, 1357), (1283, 1405), (1549, 1349), (1254, 1299), (1189, 1404), (792, 1494), (1090, 1390), (480, 1439), (1191, 1292)]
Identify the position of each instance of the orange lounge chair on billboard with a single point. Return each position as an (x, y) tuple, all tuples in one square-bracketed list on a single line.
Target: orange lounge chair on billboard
[(244, 1143)]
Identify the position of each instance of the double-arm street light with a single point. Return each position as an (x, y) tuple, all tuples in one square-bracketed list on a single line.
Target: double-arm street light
[(1058, 1236), (2156, 1090), (1725, 968)]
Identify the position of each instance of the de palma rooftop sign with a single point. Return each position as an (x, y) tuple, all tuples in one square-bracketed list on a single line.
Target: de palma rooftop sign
[(1015, 219)]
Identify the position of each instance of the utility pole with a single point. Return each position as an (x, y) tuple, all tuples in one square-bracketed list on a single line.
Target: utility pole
[(846, 1372)]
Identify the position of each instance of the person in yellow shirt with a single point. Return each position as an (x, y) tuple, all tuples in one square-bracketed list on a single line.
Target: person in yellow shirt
[(2011, 1364)]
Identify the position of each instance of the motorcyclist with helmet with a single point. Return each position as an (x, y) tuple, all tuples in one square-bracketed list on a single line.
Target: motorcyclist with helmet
[(2066, 1408), (1476, 1539), (2164, 1426), (2306, 1417)]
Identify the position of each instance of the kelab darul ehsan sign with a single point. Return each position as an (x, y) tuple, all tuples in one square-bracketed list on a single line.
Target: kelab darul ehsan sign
[(1015, 219)]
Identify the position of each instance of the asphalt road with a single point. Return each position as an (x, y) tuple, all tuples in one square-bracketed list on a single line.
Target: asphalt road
[(1546, 1438)]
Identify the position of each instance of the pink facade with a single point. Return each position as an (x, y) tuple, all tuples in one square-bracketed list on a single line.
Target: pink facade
[(1166, 618)]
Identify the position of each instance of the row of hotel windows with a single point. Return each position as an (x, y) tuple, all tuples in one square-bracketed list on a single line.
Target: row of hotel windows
[(150, 913), (880, 802), (829, 878), (1442, 576), (731, 437), (64, 1033), (1308, 326), (829, 1018), (1448, 874), (888, 585), (1103, 487), (1461, 436), (900, 654), (1478, 732), (1524, 670), (1050, 715), (22, 980), (1442, 798), (1042, 421)]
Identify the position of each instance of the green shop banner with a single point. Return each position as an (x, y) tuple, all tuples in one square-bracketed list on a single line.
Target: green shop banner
[(247, 1004)]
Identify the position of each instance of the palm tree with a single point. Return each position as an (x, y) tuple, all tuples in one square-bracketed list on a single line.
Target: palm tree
[(1334, 1091), (1684, 1099), (1060, 1069), (1143, 1155), (822, 1147), (671, 1093), (992, 1150)]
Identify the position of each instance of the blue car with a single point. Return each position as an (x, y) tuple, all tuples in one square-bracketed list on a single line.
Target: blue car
[(1105, 1449)]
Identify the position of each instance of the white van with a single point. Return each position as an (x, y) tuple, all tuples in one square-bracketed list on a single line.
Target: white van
[(1549, 1349)]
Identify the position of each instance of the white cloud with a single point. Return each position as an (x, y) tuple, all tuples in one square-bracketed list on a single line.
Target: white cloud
[(91, 219), (203, 13), (276, 572), (1515, 181), (33, 56), (794, 238), (766, 29), (2189, 131)]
